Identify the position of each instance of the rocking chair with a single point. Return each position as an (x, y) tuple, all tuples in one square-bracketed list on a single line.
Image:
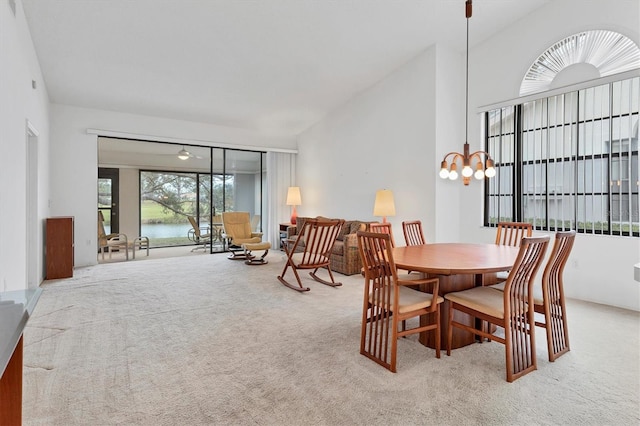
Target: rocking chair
[(312, 250)]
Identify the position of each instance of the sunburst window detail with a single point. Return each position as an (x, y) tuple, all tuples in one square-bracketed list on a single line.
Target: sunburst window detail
[(606, 51)]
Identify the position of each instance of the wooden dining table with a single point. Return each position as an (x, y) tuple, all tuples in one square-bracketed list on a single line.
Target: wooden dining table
[(459, 266)]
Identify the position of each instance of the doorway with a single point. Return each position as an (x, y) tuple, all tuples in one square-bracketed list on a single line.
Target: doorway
[(34, 258), (109, 198)]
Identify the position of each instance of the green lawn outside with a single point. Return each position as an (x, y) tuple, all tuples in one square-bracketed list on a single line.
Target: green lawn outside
[(153, 212)]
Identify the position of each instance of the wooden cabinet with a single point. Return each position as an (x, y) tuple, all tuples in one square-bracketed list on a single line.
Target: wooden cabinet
[(59, 247)]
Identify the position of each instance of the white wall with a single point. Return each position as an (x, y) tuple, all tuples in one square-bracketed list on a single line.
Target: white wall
[(395, 134), (74, 167), (19, 102), (385, 138)]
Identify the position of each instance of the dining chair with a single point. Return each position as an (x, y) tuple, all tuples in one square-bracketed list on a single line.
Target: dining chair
[(312, 250), (548, 299), (511, 233), (552, 305), (413, 235), (388, 301), (511, 309), (384, 228)]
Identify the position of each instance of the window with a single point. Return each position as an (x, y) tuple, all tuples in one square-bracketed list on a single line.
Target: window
[(568, 161), (166, 199)]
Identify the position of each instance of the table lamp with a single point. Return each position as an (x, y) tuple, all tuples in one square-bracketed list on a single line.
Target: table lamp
[(294, 199), (384, 205)]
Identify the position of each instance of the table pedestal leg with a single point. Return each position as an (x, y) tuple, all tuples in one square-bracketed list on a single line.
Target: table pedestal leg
[(449, 284)]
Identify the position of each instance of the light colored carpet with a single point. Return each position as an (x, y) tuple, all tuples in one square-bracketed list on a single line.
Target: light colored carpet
[(204, 340)]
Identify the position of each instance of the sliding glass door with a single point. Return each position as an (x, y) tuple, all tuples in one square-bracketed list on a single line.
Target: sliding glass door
[(244, 183), (165, 183)]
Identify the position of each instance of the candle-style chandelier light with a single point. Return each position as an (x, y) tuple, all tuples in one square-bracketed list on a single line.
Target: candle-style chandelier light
[(482, 170)]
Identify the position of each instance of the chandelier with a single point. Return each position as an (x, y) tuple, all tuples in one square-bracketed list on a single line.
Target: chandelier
[(482, 170)]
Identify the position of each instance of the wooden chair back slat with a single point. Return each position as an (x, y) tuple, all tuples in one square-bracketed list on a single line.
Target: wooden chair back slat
[(413, 235), (383, 228), (511, 233)]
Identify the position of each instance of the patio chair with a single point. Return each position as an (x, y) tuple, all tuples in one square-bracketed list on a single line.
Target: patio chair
[(112, 241), (201, 236)]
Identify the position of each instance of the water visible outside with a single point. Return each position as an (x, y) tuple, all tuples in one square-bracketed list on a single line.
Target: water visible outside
[(167, 234), (165, 230)]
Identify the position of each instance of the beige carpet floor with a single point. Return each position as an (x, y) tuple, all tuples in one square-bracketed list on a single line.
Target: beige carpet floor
[(201, 339)]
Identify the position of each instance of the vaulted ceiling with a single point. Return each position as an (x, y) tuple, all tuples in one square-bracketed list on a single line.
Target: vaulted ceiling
[(273, 66)]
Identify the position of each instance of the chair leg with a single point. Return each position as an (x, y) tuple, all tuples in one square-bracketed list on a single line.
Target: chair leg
[(449, 328), (437, 337)]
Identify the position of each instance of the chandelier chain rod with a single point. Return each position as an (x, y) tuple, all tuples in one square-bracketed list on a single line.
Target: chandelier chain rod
[(485, 170), (466, 99)]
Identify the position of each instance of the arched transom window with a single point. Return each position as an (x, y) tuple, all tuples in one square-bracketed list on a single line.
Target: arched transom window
[(581, 57)]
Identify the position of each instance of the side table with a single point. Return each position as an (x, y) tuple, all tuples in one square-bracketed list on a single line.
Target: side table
[(284, 229)]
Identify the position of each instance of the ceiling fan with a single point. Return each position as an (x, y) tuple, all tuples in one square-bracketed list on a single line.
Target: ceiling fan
[(183, 154)]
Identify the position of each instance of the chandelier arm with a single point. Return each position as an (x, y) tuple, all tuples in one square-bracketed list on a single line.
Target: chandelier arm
[(456, 155), (477, 153)]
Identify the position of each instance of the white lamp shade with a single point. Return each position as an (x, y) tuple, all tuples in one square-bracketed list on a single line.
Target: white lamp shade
[(384, 205), (293, 196)]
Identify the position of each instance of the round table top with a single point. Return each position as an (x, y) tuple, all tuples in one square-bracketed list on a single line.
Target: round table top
[(456, 258)]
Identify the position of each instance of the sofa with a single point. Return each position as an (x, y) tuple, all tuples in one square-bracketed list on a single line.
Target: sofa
[(345, 257)]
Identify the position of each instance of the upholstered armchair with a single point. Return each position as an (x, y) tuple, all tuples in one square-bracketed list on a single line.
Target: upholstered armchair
[(237, 231)]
